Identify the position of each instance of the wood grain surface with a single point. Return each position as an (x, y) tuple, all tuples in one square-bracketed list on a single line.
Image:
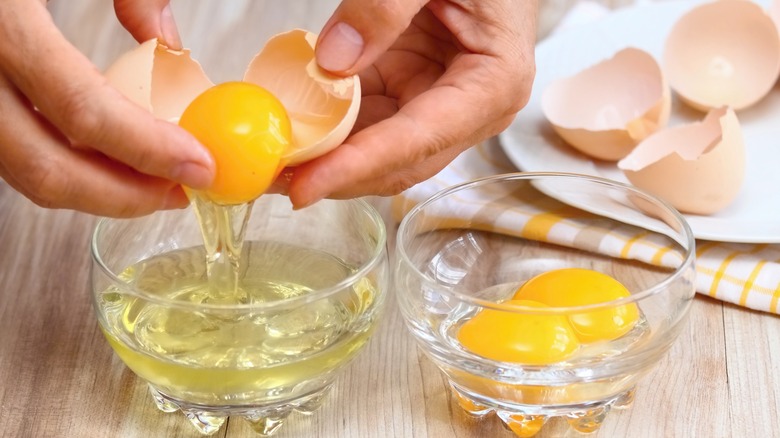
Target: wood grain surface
[(59, 377)]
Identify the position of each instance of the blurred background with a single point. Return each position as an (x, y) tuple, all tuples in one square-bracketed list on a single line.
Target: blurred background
[(223, 36)]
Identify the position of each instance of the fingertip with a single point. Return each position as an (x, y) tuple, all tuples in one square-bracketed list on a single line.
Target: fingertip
[(300, 199), (201, 155), (339, 48), (147, 19), (360, 31), (307, 186), (175, 199), (169, 30), (186, 160), (192, 174), (281, 185), (300, 204)]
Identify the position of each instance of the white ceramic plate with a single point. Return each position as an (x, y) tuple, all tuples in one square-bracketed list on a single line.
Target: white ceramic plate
[(532, 145)]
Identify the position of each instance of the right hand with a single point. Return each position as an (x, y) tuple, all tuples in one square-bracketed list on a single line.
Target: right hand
[(69, 140)]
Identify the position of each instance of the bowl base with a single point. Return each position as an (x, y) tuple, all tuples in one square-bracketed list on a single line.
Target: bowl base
[(264, 419), (585, 418)]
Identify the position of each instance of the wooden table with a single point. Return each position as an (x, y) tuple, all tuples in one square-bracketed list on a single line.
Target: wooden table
[(59, 377)]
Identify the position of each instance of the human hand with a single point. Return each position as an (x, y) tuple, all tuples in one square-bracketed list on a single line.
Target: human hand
[(69, 140), (437, 77)]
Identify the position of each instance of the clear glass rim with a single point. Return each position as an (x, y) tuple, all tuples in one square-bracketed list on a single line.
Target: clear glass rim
[(685, 231), (378, 253)]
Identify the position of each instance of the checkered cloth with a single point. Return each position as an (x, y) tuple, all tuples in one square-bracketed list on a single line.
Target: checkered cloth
[(743, 274)]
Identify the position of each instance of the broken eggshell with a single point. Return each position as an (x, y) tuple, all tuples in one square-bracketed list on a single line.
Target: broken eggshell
[(605, 110), (723, 53), (699, 168), (322, 108), (161, 80)]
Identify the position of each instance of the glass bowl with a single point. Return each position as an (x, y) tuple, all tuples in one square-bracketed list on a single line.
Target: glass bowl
[(307, 297), (466, 251)]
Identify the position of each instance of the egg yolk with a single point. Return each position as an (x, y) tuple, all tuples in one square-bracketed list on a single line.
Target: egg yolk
[(578, 287), (512, 336), (247, 131)]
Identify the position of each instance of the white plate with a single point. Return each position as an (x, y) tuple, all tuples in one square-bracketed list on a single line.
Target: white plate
[(532, 145)]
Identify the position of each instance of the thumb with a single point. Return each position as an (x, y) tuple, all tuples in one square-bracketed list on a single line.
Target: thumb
[(361, 30), (147, 19)]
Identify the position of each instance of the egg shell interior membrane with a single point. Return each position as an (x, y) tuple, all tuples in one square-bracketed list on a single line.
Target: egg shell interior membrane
[(176, 81), (699, 168), (607, 95), (723, 53), (315, 103)]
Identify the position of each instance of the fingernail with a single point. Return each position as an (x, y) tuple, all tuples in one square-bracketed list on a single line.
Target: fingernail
[(169, 30), (281, 184), (192, 174), (176, 199), (308, 203), (340, 48)]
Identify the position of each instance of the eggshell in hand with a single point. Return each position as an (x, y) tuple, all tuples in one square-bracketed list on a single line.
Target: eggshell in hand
[(322, 107), (605, 110), (723, 53), (699, 168), (161, 80)]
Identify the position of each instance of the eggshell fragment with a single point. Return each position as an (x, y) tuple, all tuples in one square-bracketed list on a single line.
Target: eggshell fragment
[(723, 53), (699, 168), (605, 110), (161, 80), (322, 107)]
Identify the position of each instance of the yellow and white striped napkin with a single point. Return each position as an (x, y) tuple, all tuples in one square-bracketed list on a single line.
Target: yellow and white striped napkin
[(743, 274)]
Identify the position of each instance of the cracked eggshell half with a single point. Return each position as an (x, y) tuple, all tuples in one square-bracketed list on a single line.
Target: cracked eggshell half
[(723, 53), (699, 168), (322, 107), (159, 79), (605, 110)]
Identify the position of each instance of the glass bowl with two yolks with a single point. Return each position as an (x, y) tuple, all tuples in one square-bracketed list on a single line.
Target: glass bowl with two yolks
[(544, 295)]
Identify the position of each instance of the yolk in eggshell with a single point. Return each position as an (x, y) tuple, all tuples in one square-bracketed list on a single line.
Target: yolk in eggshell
[(247, 130)]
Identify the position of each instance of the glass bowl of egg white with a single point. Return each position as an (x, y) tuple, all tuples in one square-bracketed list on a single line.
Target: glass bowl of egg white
[(544, 295), (247, 311)]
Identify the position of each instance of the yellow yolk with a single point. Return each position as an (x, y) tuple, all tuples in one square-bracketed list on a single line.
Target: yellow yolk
[(513, 336), (578, 287), (247, 130)]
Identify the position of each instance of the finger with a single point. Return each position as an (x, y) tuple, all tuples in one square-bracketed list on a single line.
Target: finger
[(505, 29), (477, 96), (373, 109), (387, 172), (147, 19), (361, 30), (38, 164), (444, 117), (395, 182), (69, 91)]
